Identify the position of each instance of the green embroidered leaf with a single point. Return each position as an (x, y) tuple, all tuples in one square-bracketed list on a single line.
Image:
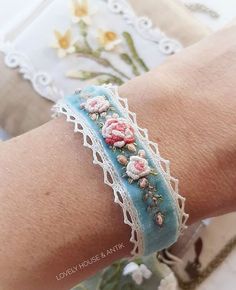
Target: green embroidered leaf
[(128, 60), (129, 40), (83, 28), (110, 286)]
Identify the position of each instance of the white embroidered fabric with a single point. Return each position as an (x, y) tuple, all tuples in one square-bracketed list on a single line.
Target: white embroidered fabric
[(37, 62), (112, 179)]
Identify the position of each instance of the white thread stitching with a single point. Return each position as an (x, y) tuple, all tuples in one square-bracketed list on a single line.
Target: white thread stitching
[(126, 205), (129, 211), (160, 162)]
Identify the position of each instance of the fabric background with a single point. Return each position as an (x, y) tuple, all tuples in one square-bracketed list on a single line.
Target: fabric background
[(21, 109)]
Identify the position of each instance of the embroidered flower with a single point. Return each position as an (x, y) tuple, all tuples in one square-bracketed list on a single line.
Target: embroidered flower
[(97, 104), (64, 43), (138, 272), (141, 153), (168, 283), (159, 218), (117, 132), (131, 147), (122, 159), (108, 39), (137, 167), (143, 182), (80, 11)]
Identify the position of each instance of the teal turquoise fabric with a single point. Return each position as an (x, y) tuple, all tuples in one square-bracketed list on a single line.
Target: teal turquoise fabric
[(156, 237)]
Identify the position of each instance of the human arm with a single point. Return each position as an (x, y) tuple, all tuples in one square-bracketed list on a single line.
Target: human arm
[(54, 214)]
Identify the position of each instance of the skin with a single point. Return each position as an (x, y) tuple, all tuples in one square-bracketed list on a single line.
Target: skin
[(54, 214)]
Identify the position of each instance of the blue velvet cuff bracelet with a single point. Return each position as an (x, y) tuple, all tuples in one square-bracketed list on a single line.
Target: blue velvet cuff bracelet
[(132, 166)]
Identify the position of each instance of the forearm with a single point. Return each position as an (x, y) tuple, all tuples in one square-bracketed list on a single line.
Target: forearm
[(196, 130), (189, 106), (55, 211)]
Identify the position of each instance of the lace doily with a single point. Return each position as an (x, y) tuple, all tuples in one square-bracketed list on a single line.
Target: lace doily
[(40, 72)]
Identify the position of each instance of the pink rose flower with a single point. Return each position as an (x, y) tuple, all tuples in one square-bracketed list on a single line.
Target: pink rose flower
[(137, 167), (97, 104), (117, 132)]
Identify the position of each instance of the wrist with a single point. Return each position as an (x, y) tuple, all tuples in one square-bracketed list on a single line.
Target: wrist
[(181, 118)]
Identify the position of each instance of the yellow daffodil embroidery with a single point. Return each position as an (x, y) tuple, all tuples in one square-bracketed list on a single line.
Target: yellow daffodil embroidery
[(81, 11), (64, 43), (107, 43), (108, 39)]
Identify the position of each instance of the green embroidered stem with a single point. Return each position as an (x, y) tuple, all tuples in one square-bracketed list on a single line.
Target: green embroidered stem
[(110, 80), (88, 52), (118, 71), (88, 47), (111, 276), (92, 56), (130, 43), (131, 286), (83, 30), (128, 60), (88, 75), (80, 287), (104, 62)]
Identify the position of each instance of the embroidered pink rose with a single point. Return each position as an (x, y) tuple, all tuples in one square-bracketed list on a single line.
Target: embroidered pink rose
[(97, 104), (137, 167), (117, 132)]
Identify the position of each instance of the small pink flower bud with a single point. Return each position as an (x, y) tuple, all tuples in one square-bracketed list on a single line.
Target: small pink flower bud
[(82, 106), (131, 147), (122, 159), (159, 218), (143, 183), (141, 153), (93, 116), (103, 114), (115, 115)]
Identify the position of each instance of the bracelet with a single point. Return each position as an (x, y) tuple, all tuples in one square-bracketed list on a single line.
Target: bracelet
[(132, 166)]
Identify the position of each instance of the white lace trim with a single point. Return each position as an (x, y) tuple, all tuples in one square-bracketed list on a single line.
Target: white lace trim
[(41, 81), (144, 26), (162, 163), (111, 178)]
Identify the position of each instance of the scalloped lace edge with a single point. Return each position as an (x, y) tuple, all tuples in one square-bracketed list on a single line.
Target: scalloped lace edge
[(162, 163), (120, 196), (111, 178)]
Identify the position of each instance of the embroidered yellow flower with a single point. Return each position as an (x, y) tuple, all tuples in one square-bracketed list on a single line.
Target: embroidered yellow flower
[(80, 11), (64, 43), (108, 39)]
